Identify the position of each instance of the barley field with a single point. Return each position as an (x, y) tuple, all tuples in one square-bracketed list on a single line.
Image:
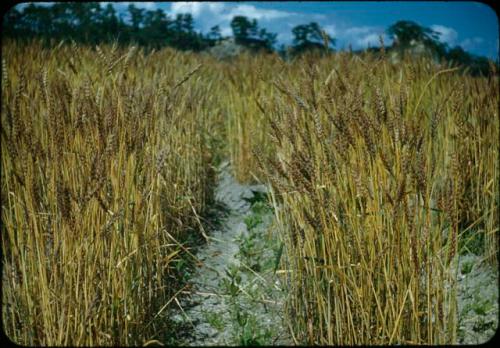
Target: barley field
[(381, 175)]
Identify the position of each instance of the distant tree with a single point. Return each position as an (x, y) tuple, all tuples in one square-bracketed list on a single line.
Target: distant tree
[(406, 33), (37, 19), (183, 35), (476, 65), (309, 37), (268, 38), (241, 28), (480, 65), (187, 23), (109, 22), (14, 24), (458, 56), (156, 28), (80, 19), (214, 35), (247, 33), (136, 16), (254, 28)]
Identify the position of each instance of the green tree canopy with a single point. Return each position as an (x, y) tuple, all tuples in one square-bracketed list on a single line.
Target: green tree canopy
[(406, 33), (248, 34), (241, 27), (136, 15), (310, 36)]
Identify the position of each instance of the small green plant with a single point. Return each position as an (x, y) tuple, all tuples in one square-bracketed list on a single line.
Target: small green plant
[(261, 208), (466, 267), (481, 307), (214, 319), (231, 283), (252, 221), (248, 246), (250, 333), (258, 197)]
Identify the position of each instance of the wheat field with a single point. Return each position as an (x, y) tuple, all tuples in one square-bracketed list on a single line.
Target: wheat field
[(106, 162), (383, 173)]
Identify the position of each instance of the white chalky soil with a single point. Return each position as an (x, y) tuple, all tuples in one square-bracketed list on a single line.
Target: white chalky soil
[(209, 297)]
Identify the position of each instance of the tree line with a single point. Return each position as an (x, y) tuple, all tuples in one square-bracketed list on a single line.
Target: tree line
[(92, 24)]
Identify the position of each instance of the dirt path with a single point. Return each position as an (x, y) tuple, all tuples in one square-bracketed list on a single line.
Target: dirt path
[(236, 297)]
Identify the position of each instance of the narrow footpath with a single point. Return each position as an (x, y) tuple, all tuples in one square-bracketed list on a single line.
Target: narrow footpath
[(236, 297)]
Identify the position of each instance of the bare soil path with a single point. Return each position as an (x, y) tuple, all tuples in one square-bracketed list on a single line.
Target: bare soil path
[(236, 297)]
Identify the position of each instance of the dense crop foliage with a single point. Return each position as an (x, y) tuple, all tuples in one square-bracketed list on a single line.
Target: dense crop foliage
[(106, 162), (382, 173)]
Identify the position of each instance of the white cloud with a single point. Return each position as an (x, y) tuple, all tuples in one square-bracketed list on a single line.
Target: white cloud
[(330, 30), (148, 6), (209, 14), (368, 40), (362, 37), (259, 14), (219, 11), (447, 35), (471, 43), (357, 31), (197, 8)]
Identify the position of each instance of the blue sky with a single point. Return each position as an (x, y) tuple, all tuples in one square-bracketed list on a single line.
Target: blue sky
[(472, 25)]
